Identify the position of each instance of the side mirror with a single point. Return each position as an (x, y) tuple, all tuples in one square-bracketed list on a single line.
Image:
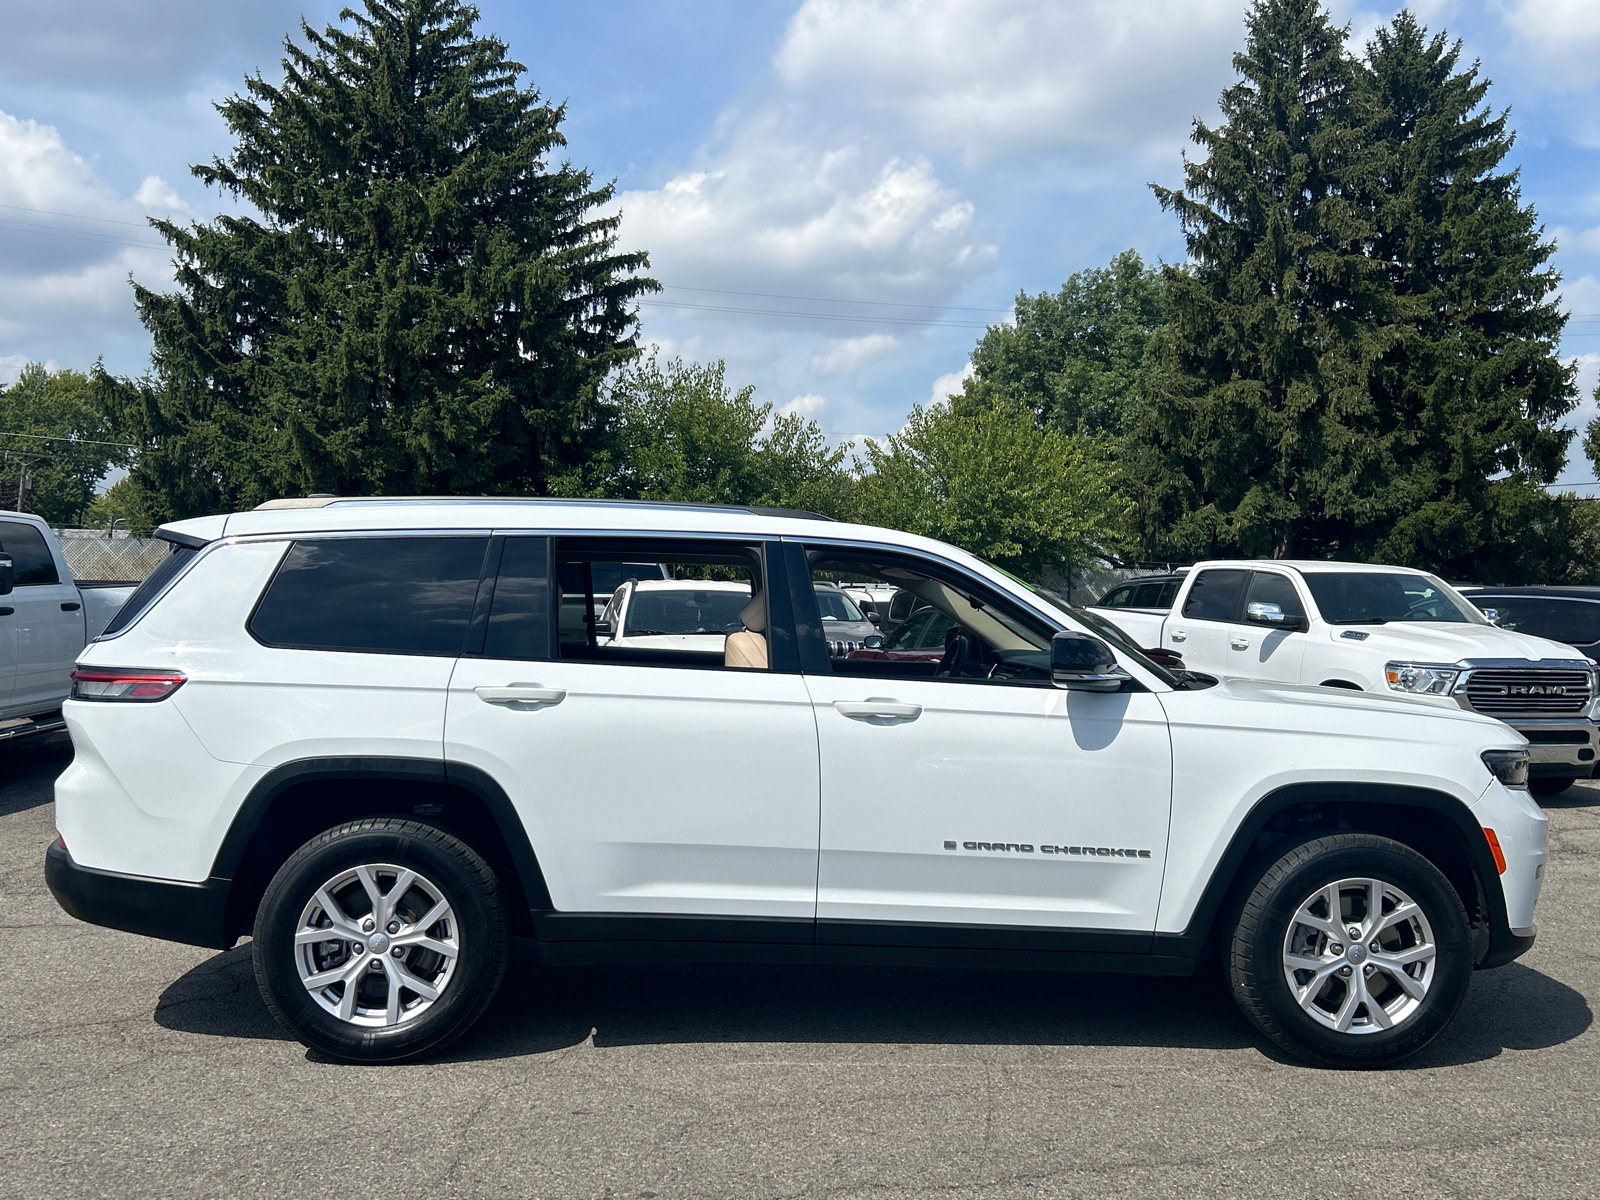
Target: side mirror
[(8, 575), (1492, 615), (1272, 615), (873, 641), (604, 629), (1081, 663), (872, 615)]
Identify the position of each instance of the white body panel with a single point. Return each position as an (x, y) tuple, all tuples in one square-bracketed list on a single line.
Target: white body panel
[(1007, 766), (651, 789)]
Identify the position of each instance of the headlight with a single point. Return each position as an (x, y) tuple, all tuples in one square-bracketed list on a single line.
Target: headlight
[(1510, 767), (1420, 679)]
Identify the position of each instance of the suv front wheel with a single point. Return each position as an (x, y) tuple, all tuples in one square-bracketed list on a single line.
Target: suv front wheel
[(1351, 951), (381, 940)]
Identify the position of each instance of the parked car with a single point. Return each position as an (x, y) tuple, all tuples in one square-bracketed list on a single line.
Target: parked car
[(844, 625), (679, 614), (1557, 614), (1380, 629), (920, 638), (1151, 593), (46, 617), (359, 732)]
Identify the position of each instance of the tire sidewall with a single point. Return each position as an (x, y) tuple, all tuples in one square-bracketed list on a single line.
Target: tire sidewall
[(1393, 864), (446, 864)]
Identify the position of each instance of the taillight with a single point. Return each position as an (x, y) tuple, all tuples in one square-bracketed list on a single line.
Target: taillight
[(134, 684)]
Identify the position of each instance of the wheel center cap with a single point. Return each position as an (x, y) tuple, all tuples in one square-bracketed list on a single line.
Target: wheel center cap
[(1357, 953), (377, 942)]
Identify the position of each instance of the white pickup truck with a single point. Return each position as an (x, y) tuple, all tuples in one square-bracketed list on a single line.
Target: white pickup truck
[(46, 619), (1373, 629)]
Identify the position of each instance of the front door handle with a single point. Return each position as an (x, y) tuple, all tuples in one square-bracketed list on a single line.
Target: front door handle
[(1239, 643), (70, 606), (521, 695), (883, 708), (1179, 635)]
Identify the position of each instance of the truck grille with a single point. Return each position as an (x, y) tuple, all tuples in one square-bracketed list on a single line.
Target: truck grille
[(1527, 692)]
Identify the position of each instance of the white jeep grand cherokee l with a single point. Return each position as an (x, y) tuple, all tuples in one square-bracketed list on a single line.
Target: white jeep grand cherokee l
[(360, 731)]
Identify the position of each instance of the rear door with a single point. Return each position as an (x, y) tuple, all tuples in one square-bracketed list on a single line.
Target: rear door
[(652, 782), (46, 620), (1202, 631)]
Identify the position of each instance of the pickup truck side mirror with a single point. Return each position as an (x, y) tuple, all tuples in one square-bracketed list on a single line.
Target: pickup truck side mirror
[(1273, 615), (1081, 663), (1492, 615), (8, 575)]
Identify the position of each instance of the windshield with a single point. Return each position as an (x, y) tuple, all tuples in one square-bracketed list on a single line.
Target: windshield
[(836, 606), (1106, 631), (692, 610), (1378, 597)]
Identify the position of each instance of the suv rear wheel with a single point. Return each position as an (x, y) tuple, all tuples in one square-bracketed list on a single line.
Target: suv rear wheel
[(381, 940), (1351, 951)]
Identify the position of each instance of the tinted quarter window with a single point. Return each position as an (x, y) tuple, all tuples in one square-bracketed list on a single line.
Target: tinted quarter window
[(146, 592), (29, 555), (1215, 595), (519, 620), (406, 595)]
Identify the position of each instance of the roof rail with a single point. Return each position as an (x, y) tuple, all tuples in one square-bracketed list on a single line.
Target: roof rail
[(324, 501)]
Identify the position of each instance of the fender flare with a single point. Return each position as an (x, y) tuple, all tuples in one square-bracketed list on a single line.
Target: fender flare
[(478, 783), (1503, 944)]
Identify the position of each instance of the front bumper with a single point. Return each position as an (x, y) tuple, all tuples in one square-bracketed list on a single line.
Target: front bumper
[(193, 913), (1565, 746)]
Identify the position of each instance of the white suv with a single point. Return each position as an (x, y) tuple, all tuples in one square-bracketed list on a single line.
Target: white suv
[(361, 731)]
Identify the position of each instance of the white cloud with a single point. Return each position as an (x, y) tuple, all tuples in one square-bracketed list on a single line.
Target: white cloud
[(1562, 36), (809, 406), (994, 77), (846, 354), (11, 368), (948, 385), (1581, 296)]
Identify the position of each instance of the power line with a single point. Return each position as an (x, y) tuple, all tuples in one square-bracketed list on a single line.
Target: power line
[(51, 212), (857, 318), (100, 239), (43, 437), (678, 287)]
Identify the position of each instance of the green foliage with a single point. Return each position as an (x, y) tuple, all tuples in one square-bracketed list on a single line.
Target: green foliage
[(677, 431), (1076, 358), (120, 506), (1363, 352), (423, 305), (990, 480), (58, 423)]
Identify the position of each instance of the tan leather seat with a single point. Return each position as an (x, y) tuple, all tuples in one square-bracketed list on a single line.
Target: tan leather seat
[(747, 649)]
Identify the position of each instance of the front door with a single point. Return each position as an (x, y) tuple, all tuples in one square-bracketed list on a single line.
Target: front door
[(46, 621), (970, 791), (1257, 650), (651, 777)]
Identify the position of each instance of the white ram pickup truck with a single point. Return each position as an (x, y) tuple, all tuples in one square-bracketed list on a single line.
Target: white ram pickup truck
[(46, 619), (1374, 629)]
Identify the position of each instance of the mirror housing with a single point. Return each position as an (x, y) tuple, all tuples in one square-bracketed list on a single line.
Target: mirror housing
[(873, 641), (874, 617), (1272, 616), (1491, 615), (1080, 662), (8, 575)]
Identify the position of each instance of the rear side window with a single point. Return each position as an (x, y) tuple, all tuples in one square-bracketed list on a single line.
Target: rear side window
[(30, 557), (1148, 595), (407, 595), (145, 594), (1215, 595), (1117, 597)]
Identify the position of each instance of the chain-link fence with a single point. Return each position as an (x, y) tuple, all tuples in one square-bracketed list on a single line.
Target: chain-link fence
[(92, 555)]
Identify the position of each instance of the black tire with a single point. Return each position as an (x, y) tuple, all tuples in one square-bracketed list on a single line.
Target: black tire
[(476, 923), (1550, 785), (1256, 966)]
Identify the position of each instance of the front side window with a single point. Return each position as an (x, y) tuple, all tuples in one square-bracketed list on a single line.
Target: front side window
[(1379, 597), (1215, 595), (31, 560), (966, 633), (377, 595), (1267, 587)]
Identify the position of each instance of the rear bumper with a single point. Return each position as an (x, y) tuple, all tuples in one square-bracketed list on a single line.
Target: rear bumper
[(192, 913)]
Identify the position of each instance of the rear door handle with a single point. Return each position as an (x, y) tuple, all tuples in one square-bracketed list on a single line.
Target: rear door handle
[(6, 612), (71, 606), (1239, 643), (1179, 635), (884, 708), (521, 695)]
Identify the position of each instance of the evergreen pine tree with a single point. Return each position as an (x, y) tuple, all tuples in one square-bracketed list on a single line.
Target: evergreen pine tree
[(1272, 322), (1446, 465), (422, 304)]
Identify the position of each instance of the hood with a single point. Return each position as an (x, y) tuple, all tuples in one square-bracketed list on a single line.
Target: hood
[(1425, 641), (1302, 707)]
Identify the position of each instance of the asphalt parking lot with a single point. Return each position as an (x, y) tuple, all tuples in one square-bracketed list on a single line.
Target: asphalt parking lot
[(130, 1067)]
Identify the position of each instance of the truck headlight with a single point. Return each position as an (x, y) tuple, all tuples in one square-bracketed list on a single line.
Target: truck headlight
[(1510, 767), (1420, 679)]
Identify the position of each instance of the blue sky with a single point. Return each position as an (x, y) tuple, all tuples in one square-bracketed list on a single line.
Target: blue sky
[(865, 183)]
